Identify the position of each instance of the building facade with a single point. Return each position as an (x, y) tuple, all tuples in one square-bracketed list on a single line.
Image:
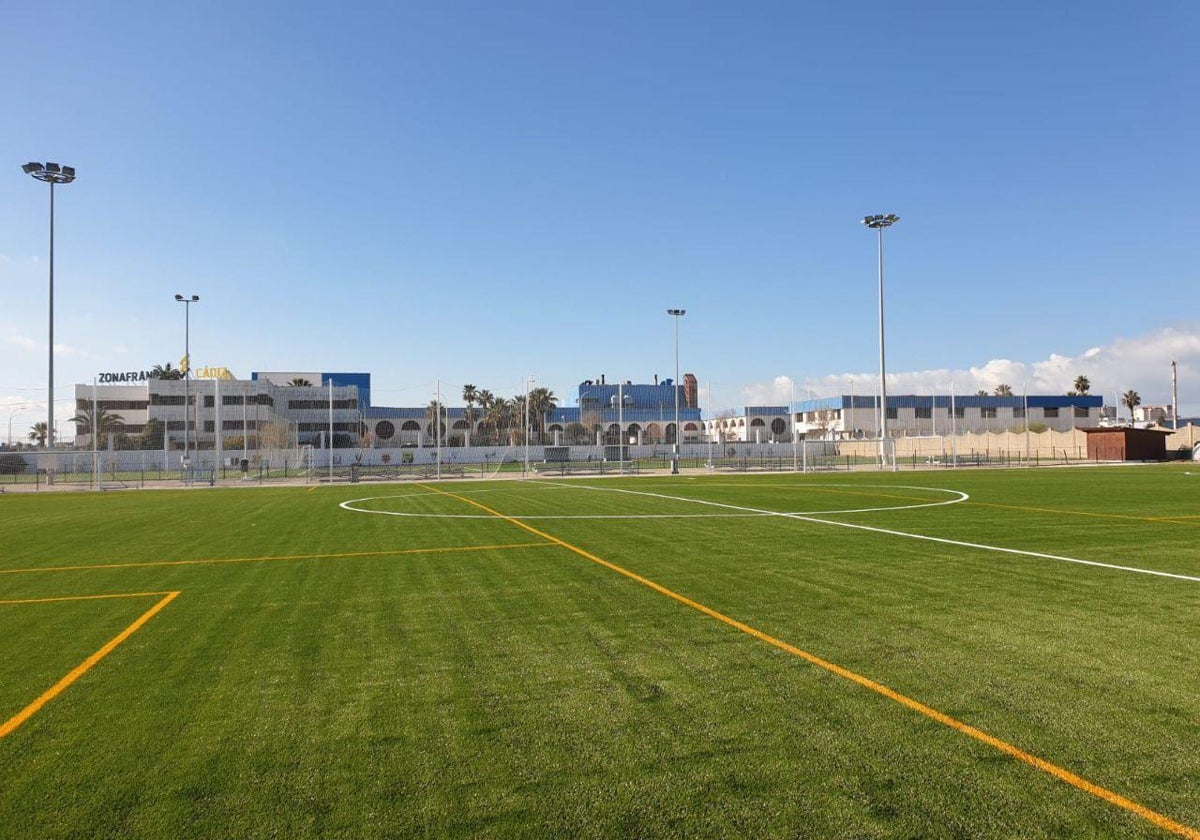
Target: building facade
[(908, 415), (285, 410)]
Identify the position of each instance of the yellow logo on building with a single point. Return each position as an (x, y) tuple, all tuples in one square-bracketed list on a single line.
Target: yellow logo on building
[(210, 372)]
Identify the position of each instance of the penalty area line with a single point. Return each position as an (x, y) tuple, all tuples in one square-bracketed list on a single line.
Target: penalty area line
[(1003, 746)]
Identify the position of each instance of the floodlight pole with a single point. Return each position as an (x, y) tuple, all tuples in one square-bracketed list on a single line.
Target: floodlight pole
[(52, 174), (676, 314), (877, 223), (187, 363)]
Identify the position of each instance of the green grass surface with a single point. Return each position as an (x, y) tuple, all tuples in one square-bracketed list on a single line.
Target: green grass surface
[(447, 673)]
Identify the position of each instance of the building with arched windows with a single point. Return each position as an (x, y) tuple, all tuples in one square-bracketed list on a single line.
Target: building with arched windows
[(290, 409)]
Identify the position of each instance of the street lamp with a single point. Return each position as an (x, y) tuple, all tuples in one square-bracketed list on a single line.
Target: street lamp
[(11, 414), (50, 173), (187, 364), (676, 314), (878, 223)]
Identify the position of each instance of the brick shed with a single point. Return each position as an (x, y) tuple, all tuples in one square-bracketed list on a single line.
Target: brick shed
[(1127, 444)]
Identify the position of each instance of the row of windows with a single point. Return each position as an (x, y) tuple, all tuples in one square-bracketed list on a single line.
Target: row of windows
[(113, 405), (237, 399), (986, 412), (300, 405), (231, 425), (324, 427)]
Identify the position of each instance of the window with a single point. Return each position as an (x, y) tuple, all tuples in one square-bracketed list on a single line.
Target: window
[(1081, 412), (988, 412), (892, 414), (385, 430), (924, 412), (778, 427), (410, 426), (757, 421), (960, 412), (1050, 412), (232, 400), (166, 399), (1018, 412)]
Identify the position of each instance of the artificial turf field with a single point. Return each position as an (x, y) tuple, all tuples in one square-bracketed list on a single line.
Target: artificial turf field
[(645, 657)]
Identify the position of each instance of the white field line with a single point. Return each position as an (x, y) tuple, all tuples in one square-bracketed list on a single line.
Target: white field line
[(905, 534), (958, 496)]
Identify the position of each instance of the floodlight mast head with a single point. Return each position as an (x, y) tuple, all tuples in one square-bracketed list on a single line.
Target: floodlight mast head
[(51, 173), (880, 220)]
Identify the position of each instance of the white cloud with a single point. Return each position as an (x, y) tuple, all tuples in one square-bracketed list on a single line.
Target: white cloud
[(777, 392), (1142, 363), (22, 341)]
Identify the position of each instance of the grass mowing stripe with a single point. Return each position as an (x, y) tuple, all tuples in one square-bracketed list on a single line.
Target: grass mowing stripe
[(1045, 766), (83, 667), (326, 556)]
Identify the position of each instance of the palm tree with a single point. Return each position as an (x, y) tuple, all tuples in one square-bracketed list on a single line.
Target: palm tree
[(37, 433), (499, 411), (470, 395), (1131, 400), (299, 382), (541, 402), (105, 423), (1082, 385), (1003, 390), (166, 372), (979, 393)]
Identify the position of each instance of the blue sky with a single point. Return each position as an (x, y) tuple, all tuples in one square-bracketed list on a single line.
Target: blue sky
[(475, 192)]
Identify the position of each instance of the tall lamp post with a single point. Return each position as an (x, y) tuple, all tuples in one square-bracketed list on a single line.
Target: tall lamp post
[(676, 314), (878, 223), (187, 364), (11, 414), (52, 174)]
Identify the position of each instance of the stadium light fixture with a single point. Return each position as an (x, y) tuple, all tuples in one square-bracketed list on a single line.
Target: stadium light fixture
[(676, 314), (187, 364), (52, 174), (878, 223)]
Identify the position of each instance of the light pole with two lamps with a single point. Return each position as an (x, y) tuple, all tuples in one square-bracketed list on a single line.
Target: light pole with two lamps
[(676, 314), (52, 174), (878, 223), (187, 363)]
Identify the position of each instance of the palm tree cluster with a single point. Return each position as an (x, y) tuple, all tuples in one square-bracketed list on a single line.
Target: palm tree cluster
[(503, 419)]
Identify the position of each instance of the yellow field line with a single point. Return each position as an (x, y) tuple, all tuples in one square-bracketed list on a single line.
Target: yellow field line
[(84, 598), (83, 667), (915, 705), (329, 556), (1089, 513)]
